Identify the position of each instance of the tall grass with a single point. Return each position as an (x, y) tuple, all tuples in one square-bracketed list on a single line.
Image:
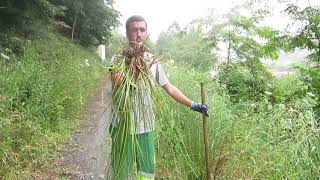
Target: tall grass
[(42, 93), (179, 130), (274, 141), (250, 139)]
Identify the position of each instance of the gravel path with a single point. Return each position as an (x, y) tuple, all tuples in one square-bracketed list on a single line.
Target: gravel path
[(87, 154)]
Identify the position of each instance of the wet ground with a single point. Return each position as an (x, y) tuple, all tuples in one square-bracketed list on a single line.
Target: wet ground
[(87, 155)]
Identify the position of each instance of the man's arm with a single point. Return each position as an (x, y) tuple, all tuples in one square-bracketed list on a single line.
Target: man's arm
[(177, 95)]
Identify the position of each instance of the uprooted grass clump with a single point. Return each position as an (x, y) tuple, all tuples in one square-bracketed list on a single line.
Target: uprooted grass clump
[(133, 86), (135, 61)]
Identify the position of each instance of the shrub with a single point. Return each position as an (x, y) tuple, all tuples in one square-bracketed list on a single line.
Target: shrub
[(247, 80), (288, 88)]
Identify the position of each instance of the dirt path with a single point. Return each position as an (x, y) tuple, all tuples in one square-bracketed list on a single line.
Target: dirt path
[(86, 156)]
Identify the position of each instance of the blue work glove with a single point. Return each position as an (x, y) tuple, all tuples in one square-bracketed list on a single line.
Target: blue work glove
[(200, 108)]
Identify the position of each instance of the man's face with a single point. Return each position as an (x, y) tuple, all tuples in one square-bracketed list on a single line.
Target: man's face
[(137, 31)]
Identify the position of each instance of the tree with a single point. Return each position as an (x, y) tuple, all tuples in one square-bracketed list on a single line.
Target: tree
[(244, 38), (308, 37), (21, 13), (76, 8), (245, 43), (186, 46), (91, 21)]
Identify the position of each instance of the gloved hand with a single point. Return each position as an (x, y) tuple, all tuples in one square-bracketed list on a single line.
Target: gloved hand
[(200, 108)]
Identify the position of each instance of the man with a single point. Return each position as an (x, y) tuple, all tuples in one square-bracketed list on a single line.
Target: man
[(144, 155)]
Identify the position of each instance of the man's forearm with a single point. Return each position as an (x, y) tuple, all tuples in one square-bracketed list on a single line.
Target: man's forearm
[(177, 95)]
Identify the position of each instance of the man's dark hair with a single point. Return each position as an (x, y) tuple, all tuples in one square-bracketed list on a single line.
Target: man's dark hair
[(134, 18)]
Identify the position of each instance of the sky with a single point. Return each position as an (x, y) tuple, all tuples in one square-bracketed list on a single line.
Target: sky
[(160, 14)]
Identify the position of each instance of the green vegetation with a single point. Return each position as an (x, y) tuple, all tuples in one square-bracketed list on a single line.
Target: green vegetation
[(186, 47), (260, 127), (131, 95), (179, 130), (248, 139), (42, 94), (46, 77), (90, 22), (308, 37)]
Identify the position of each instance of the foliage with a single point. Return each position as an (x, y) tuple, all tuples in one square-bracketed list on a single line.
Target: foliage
[(23, 13), (273, 141), (12, 45), (288, 88), (247, 43), (244, 38), (186, 47), (308, 37), (41, 101), (248, 139), (179, 130), (97, 22), (90, 22), (260, 126), (246, 81)]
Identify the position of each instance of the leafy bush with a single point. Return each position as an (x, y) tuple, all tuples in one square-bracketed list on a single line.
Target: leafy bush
[(311, 76), (307, 37), (248, 80), (288, 88), (12, 45)]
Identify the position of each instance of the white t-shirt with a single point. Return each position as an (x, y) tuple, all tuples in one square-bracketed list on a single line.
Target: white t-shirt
[(144, 116)]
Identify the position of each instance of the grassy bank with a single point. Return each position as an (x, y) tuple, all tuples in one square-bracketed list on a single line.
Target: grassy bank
[(275, 137), (43, 90)]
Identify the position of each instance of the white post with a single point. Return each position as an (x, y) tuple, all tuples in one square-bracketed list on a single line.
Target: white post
[(102, 52)]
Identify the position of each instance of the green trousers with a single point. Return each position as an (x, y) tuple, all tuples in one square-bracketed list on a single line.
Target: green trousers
[(130, 149)]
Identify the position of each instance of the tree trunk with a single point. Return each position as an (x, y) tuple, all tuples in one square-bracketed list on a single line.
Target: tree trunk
[(318, 48), (229, 51), (74, 26)]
